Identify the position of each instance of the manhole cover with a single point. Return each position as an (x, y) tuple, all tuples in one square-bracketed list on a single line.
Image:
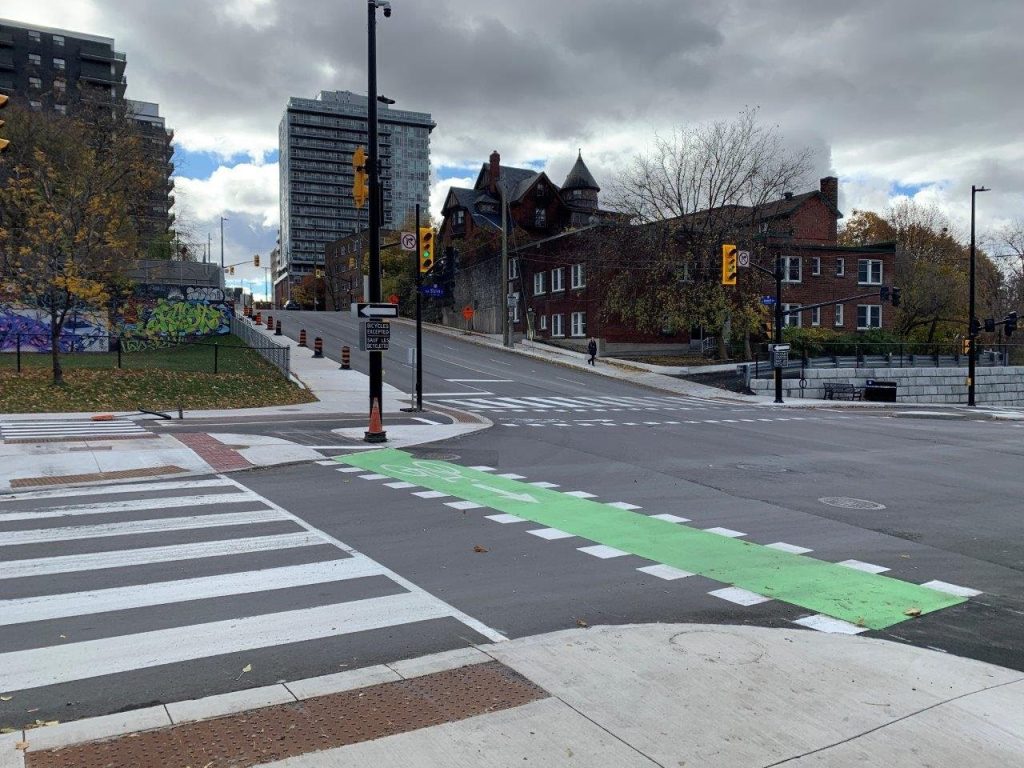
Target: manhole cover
[(845, 502), (761, 468), (434, 455)]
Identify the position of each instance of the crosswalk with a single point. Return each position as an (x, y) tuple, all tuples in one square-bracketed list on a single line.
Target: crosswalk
[(69, 429), (593, 404), (104, 581)]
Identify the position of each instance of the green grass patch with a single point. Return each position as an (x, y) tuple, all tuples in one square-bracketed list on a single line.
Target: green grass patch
[(155, 379)]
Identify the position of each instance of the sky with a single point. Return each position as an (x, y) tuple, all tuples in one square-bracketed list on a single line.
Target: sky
[(898, 98)]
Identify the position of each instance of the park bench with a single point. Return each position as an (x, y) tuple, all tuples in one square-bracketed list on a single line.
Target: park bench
[(843, 392)]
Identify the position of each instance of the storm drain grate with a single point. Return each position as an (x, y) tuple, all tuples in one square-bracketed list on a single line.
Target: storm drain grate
[(279, 732)]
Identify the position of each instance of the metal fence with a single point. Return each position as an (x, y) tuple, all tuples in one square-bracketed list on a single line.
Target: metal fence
[(277, 355)]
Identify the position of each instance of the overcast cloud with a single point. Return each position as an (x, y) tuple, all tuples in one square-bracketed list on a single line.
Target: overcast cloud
[(896, 97)]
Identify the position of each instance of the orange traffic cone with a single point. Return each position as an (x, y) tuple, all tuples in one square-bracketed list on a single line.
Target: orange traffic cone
[(376, 433)]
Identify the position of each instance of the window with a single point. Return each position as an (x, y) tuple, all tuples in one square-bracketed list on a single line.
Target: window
[(515, 308), (840, 268), (543, 322), (816, 265), (839, 315), (792, 321), (538, 283), (579, 279), (35, 104), (540, 217), (35, 58), (557, 279), (60, 86), (58, 63), (579, 323), (63, 110), (869, 316), (33, 36), (58, 40), (35, 83), (816, 316), (791, 269), (513, 269), (869, 271), (460, 217), (556, 326)]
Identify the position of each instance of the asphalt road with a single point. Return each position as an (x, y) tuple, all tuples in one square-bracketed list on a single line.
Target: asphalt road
[(318, 570)]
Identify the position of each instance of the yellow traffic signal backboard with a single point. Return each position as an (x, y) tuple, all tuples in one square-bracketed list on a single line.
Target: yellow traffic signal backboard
[(426, 249), (730, 264), (4, 143)]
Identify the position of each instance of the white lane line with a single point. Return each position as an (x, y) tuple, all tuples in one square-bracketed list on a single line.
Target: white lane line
[(483, 468), (505, 519), (551, 534), (624, 505), (859, 565), (739, 596), (326, 463), (44, 535), (110, 507), (791, 548), (581, 494), (542, 484), (425, 421), (400, 485), (431, 494), (511, 476), (666, 572), (728, 532), (351, 469), (56, 606), (456, 394), (481, 381), (373, 476), (952, 589), (823, 623), (103, 490), (125, 558), (602, 551), (673, 518), (475, 624), (463, 505), (94, 658)]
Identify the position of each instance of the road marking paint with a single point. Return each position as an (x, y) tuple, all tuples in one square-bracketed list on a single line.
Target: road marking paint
[(551, 534), (829, 624), (431, 495), (124, 558), (739, 596), (792, 548), (327, 463), (47, 607), (350, 469), (103, 490), (581, 494), (481, 381), (456, 394), (623, 505), (874, 600), (542, 484), (372, 476), (111, 507), (952, 589), (511, 476), (506, 519), (425, 421), (482, 468), (728, 532), (400, 485), (602, 551), (671, 518), (862, 566), (666, 572), (463, 505)]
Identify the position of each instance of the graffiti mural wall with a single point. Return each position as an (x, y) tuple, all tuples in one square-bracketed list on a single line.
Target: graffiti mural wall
[(153, 315)]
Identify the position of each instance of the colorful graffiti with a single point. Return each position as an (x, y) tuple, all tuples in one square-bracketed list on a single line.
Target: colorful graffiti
[(153, 315)]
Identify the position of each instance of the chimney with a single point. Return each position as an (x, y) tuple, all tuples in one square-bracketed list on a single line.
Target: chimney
[(830, 190), (495, 172), (788, 195)]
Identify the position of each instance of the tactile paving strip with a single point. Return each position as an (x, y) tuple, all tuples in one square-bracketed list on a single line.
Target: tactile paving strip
[(275, 733)]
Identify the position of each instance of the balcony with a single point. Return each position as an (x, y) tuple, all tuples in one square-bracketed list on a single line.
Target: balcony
[(6, 39), (6, 61), (99, 53)]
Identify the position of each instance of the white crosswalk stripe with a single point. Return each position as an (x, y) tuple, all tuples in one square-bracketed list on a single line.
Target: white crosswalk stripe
[(70, 429), (170, 603), (548, 403)]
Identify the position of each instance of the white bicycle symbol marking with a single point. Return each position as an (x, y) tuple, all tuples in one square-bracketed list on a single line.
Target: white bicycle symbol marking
[(436, 470)]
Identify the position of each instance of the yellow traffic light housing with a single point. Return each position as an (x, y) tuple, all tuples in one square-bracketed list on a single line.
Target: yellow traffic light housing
[(4, 143), (730, 264), (256, 260), (426, 249), (360, 187)]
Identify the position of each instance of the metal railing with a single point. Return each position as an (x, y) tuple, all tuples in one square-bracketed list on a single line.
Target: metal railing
[(276, 354)]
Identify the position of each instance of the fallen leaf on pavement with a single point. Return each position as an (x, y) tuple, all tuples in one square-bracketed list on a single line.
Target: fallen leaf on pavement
[(912, 612), (6, 698), (582, 623), (22, 745), (247, 668), (479, 548)]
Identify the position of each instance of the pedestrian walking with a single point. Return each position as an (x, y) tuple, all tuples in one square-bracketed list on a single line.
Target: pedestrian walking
[(592, 351)]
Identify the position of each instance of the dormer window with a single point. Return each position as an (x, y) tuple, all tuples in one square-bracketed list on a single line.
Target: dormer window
[(540, 217), (541, 189), (460, 218)]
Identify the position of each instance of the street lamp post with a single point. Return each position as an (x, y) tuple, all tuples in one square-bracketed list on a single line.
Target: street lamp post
[(222, 220), (972, 322), (376, 363)]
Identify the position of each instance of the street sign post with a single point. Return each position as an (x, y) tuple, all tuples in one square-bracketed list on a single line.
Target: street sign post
[(408, 241), (768, 300), (780, 355), (374, 335), (376, 309), (436, 291)]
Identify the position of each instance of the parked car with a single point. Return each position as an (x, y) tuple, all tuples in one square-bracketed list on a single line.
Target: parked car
[(292, 305)]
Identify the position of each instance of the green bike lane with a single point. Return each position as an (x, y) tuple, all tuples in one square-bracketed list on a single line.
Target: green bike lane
[(864, 599)]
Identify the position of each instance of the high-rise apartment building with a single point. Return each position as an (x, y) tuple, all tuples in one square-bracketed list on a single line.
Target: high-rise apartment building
[(317, 140), (56, 69)]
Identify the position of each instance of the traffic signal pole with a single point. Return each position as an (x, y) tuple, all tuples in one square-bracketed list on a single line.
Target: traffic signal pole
[(376, 362), (419, 314), (778, 326)]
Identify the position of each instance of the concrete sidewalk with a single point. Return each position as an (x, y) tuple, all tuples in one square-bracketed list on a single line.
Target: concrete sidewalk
[(641, 695)]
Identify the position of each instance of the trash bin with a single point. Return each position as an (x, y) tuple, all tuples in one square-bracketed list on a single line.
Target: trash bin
[(880, 391)]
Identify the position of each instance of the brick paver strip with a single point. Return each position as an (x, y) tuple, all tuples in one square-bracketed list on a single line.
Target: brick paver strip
[(121, 474), (213, 451), (326, 722)]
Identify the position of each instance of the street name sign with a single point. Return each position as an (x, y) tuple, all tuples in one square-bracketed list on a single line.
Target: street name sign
[(768, 300), (377, 309), (437, 291), (374, 335)]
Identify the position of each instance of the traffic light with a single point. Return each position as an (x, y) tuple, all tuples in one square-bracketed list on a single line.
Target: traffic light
[(895, 296), (360, 188), (990, 325), (231, 270), (256, 260), (426, 249), (4, 143), (1010, 323), (967, 346), (883, 293), (975, 326), (729, 264)]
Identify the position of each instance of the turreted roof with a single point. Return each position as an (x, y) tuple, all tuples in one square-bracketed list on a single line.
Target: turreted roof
[(580, 177)]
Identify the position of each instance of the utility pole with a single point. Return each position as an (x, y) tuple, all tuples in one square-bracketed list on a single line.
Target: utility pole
[(778, 325), (972, 321), (506, 337), (222, 220), (419, 312)]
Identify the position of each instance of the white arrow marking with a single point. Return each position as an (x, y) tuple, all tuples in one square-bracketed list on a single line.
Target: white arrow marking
[(391, 311), (507, 494)]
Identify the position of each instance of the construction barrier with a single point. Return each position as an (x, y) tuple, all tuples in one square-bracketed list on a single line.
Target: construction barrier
[(318, 347), (277, 328), (302, 337), (345, 358)]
